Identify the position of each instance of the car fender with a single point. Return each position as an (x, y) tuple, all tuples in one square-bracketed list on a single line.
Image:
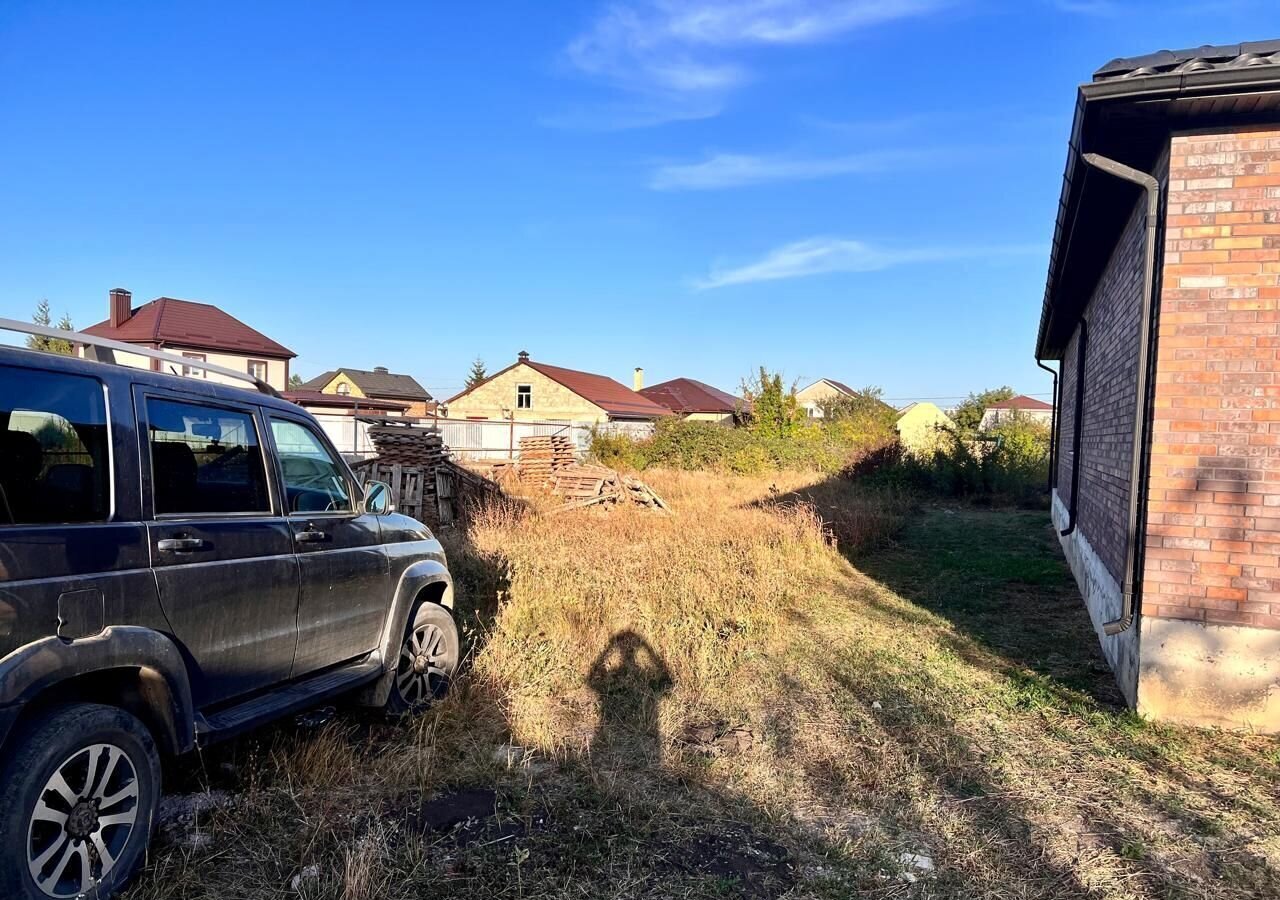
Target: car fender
[(413, 580), (41, 665)]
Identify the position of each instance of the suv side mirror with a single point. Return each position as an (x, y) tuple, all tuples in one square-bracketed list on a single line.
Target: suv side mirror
[(377, 498)]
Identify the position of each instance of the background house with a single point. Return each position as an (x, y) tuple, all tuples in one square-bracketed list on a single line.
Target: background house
[(1020, 407), (694, 400), (354, 385), (198, 331), (529, 391), (1166, 260), (922, 425), (811, 398)]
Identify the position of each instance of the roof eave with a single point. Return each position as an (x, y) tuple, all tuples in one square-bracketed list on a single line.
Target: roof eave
[(1137, 90)]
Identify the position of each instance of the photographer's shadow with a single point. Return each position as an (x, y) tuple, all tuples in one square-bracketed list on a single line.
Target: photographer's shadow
[(630, 679)]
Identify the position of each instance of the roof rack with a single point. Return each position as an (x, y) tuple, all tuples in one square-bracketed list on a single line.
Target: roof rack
[(103, 350)]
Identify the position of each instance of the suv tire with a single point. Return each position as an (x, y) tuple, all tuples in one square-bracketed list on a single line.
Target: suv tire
[(427, 661), (83, 786)]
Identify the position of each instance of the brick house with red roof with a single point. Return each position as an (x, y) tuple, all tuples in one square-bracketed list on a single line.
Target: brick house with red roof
[(199, 332), (531, 391)]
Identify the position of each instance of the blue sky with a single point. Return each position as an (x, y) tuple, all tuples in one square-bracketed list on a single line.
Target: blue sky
[(861, 190)]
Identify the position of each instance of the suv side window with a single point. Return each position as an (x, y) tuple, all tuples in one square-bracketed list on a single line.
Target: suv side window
[(54, 449), (205, 459), (313, 479)]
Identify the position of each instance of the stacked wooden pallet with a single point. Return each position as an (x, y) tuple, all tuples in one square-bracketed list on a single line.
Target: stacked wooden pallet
[(541, 457), (408, 446), (591, 485)]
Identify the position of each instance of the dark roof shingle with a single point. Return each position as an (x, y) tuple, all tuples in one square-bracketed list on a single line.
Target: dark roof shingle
[(375, 384)]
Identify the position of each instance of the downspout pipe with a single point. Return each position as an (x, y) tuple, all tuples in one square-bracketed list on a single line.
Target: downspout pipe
[(1151, 186), (1053, 430), (1077, 422)]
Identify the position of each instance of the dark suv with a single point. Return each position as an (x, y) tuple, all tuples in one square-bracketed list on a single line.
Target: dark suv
[(180, 560)]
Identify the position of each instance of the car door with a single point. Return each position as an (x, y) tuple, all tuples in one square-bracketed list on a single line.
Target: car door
[(73, 548), (345, 573), (221, 549)]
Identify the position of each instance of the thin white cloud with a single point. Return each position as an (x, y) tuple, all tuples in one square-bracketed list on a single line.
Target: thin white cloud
[(1087, 7), (684, 55), (727, 170), (822, 255)]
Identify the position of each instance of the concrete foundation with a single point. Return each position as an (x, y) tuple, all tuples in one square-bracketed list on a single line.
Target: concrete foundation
[(1198, 674), (1101, 592)]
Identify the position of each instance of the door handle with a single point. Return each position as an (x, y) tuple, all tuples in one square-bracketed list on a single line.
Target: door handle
[(311, 535), (180, 545)]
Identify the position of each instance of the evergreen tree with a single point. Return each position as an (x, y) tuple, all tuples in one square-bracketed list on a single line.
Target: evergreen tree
[(477, 373), (295, 381), (48, 344)]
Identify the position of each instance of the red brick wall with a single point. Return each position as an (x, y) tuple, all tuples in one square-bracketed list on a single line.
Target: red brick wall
[(1213, 532), (1111, 365)]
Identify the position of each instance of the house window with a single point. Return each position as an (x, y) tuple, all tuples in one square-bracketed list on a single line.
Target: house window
[(258, 369), (343, 389), (191, 371), (524, 396)]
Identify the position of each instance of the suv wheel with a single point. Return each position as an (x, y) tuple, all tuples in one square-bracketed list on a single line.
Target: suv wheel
[(77, 803), (428, 659)]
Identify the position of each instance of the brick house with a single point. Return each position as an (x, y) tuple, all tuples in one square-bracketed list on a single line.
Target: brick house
[(1162, 307), (530, 391)]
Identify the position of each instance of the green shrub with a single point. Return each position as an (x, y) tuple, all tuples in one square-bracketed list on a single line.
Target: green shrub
[(1008, 466), (692, 445)]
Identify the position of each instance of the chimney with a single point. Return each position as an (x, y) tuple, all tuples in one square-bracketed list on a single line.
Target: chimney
[(522, 356), (637, 380), (379, 370), (120, 306)]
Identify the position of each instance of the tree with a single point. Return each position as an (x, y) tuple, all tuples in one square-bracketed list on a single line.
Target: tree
[(50, 344), (477, 373), (968, 415), (773, 408), (295, 381), (867, 403)]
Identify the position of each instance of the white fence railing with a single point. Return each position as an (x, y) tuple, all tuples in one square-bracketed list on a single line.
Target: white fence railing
[(473, 438)]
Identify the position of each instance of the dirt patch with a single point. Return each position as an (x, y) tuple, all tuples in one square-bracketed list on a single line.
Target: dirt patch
[(468, 817), (756, 866)]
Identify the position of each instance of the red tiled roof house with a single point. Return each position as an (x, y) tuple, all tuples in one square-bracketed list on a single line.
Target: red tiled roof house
[(1019, 407), (197, 331), (693, 400), (1163, 309), (531, 391)]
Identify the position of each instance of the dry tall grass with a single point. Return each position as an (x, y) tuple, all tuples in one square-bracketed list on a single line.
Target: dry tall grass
[(718, 703)]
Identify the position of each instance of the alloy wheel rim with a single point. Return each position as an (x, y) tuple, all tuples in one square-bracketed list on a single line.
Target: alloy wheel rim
[(423, 665), (82, 821)]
